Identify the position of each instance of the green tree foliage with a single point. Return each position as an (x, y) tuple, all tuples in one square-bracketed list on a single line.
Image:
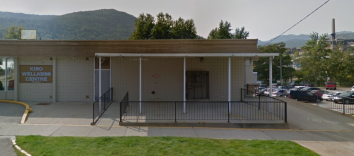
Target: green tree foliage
[(107, 24), (314, 60), (340, 66), (143, 26), (241, 33), (14, 32), (223, 32), (163, 28), (262, 65)]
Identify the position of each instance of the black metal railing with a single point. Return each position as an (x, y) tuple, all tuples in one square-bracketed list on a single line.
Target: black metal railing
[(265, 103), (124, 103), (342, 104), (269, 109), (98, 110), (203, 110)]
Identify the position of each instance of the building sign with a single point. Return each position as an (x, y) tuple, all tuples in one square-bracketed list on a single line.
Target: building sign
[(36, 73)]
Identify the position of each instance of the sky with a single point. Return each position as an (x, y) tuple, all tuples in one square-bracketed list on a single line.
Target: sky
[(264, 19)]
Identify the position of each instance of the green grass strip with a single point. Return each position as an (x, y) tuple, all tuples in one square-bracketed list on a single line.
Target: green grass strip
[(84, 146)]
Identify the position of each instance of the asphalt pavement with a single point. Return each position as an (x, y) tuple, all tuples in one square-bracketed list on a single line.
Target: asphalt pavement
[(321, 130)]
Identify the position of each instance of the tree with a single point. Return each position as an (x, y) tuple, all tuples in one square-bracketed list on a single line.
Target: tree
[(143, 26), (314, 60), (241, 33), (262, 65), (163, 28), (223, 32), (341, 65), (14, 32)]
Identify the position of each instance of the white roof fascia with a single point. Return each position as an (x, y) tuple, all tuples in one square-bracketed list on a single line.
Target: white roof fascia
[(187, 54)]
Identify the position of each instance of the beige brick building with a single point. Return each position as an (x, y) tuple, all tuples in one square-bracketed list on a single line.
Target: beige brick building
[(150, 70)]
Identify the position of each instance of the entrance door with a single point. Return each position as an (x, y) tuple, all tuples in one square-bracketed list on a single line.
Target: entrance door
[(105, 77), (197, 85)]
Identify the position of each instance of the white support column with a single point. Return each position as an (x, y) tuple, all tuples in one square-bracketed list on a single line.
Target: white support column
[(99, 83), (140, 85), (229, 85), (54, 79), (6, 89), (270, 76), (270, 106), (184, 85), (16, 78)]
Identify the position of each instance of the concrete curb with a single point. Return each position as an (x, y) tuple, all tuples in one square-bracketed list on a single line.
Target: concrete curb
[(25, 114), (19, 148), (211, 125)]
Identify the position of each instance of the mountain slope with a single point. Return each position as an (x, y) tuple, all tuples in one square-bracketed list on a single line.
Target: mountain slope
[(107, 24), (300, 40)]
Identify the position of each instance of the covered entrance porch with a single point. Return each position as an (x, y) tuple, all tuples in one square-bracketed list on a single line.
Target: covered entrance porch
[(158, 88)]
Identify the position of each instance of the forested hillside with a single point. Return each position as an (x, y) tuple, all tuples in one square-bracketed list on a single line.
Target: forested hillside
[(88, 25), (300, 40)]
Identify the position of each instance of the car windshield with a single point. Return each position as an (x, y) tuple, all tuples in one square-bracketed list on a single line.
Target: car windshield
[(305, 88), (346, 93), (329, 83)]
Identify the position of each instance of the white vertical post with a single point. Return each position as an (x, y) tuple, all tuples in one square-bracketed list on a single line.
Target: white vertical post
[(5, 89), (229, 85), (184, 85), (270, 76), (270, 106), (16, 78), (99, 83), (54, 79), (140, 85)]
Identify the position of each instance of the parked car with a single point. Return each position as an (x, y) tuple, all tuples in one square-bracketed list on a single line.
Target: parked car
[(306, 96), (260, 92), (286, 93), (279, 93), (353, 88), (283, 87), (334, 94), (331, 85), (266, 92), (294, 92), (319, 93), (345, 97), (327, 96), (308, 85), (310, 89)]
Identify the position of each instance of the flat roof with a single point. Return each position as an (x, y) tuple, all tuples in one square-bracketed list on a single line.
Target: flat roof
[(64, 48), (187, 54)]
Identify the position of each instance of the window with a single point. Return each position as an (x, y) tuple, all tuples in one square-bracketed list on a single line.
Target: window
[(7, 74)]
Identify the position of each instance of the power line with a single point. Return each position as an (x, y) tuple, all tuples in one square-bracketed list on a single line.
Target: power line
[(297, 22)]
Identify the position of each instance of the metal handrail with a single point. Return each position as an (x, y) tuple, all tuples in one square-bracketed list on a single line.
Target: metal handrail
[(95, 119)]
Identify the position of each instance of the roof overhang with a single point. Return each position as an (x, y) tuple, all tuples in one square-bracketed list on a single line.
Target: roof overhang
[(187, 54)]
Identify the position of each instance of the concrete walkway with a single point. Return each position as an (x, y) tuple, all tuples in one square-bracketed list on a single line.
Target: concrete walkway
[(321, 130), (6, 148)]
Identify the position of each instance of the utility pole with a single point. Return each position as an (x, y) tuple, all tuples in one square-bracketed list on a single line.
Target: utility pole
[(281, 71)]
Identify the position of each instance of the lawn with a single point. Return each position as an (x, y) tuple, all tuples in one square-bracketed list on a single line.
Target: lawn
[(77, 146)]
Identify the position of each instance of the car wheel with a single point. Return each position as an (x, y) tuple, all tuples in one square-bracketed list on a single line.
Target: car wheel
[(346, 101), (334, 88), (326, 88)]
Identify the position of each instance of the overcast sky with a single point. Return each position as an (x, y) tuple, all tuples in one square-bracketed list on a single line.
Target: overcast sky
[(264, 19)]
